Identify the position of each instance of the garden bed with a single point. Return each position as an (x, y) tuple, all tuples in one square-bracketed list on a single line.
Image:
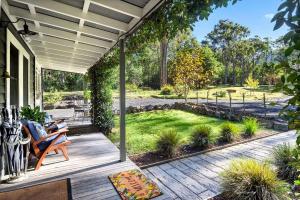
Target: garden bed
[(149, 159), (144, 128)]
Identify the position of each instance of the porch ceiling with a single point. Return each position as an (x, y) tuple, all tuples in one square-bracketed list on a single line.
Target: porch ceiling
[(74, 34)]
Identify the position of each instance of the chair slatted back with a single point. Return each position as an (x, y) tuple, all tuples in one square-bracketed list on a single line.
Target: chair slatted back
[(33, 143)]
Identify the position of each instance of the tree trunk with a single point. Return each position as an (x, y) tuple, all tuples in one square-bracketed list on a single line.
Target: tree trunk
[(186, 91), (233, 74), (226, 74), (243, 74), (163, 61), (226, 68)]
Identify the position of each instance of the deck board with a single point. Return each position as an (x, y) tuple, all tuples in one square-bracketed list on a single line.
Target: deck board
[(200, 175), (92, 159)]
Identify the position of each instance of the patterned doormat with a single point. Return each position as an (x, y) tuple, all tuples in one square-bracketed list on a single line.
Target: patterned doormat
[(58, 190), (133, 185)]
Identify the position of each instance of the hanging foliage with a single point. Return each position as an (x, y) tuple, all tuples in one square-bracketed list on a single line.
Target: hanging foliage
[(101, 79), (173, 17)]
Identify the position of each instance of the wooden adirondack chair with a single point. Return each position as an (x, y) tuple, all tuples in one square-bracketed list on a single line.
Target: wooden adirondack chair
[(45, 145)]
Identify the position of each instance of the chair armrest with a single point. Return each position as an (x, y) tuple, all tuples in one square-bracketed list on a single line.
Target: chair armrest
[(59, 132), (63, 130)]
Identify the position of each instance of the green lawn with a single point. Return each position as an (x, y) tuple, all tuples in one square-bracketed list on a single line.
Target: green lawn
[(143, 128)]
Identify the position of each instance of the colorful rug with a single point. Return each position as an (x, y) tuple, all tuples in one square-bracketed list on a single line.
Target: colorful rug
[(58, 190), (133, 185)]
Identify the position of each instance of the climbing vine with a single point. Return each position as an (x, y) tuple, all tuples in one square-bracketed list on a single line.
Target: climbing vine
[(101, 81)]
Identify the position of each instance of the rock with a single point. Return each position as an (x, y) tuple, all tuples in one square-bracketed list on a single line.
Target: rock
[(281, 126)]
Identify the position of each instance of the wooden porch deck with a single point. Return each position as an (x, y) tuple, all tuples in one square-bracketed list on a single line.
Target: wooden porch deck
[(92, 158)]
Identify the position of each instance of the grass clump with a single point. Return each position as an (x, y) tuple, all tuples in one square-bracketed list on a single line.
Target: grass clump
[(228, 132), (166, 90), (251, 126), (167, 143), (201, 136), (283, 158), (248, 179)]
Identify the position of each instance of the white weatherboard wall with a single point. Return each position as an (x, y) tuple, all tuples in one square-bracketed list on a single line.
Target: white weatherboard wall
[(38, 84), (22, 53)]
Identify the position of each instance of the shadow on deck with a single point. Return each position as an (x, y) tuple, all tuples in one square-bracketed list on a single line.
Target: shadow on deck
[(92, 158)]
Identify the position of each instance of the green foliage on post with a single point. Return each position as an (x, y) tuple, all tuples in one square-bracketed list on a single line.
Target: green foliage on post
[(101, 76), (288, 14)]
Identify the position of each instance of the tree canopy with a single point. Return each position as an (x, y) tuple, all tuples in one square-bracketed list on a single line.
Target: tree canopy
[(189, 69)]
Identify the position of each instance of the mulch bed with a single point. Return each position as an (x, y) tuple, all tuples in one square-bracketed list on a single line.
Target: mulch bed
[(219, 197), (151, 158)]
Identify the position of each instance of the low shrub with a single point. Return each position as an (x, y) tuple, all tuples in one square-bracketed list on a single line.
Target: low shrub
[(179, 90), (251, 126), (166, 90), (220, 94), (131, 87), (248, 179), (53, 97), (283, 158), (201, 136), (167, 143), (228, 132)]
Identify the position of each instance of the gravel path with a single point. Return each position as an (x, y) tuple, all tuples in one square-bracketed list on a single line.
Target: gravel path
[(253, 107), (197, 177), (256, 107)]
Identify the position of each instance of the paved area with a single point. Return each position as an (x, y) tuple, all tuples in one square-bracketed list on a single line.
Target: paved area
[(198, 177)]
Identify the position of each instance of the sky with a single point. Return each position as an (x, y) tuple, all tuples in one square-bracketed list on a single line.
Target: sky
[(254, 14)]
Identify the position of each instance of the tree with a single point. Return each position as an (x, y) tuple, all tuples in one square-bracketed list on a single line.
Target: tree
[(252, 83), (175, 16), (54, 80), (224, 34), (188, 68), (269, 73), (211, 63)]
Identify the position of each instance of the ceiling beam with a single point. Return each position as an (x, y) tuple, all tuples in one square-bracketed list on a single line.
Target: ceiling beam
[(60, 23), (45, 56), (86, 49), (71, 11), (63, 56), (58, 67), (65, 50), (70, 36), (55, 53), (61, 63), (121, 7)]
